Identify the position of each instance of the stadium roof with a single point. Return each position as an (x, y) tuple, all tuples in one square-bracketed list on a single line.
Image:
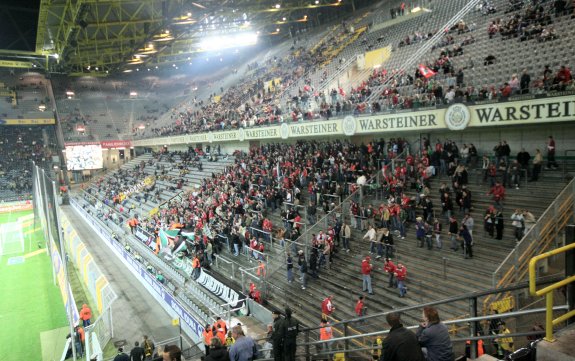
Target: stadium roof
[(79, 36)]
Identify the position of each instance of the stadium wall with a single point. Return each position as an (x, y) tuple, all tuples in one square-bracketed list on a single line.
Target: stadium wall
[(96, 282), (520, 121)]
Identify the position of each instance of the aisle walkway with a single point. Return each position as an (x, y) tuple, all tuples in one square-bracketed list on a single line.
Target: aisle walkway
[(135, 313)]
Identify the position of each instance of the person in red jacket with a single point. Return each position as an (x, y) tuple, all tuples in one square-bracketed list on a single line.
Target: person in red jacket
[(359, 307), (366, 268), (327, 308), (401, 275), (498, 192), (389, 267), (85, 315)]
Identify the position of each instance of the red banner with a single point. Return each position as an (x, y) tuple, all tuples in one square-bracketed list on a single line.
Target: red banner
[(116, 143), (105, 143)]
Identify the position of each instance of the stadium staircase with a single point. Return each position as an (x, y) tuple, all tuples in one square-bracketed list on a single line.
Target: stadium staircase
[(432, 275)]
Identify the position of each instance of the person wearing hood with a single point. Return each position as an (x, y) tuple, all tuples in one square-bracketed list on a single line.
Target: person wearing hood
[(85, 315)]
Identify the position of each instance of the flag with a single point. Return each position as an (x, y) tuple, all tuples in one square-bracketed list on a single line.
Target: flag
[(341, 91), (189, 234), (179, 245), (207, 231), (165, 237), (425, 71)]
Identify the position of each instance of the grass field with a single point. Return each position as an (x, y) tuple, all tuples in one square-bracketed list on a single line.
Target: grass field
[(30, 303)]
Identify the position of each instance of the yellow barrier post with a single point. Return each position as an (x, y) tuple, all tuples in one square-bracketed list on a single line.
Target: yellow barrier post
[(549, 317), (548, 291)]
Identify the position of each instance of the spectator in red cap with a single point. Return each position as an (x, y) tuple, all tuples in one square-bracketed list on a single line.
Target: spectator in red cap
[(366, 268)]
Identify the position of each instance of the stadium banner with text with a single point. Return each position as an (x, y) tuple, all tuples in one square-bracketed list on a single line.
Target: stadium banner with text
[(220, 290), (190, 325), (520, 110), (10, 207), (35, 121), (93, 278), (15, 64), (116, 144), (104, 144)]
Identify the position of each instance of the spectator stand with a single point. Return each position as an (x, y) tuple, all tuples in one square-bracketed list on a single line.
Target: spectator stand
[(196, 298)]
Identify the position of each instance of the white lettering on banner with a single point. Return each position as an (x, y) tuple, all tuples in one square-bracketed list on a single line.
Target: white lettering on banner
[(564, 109), (220, 290), (222, 136), (394, 122), (314, 129), (262, 133)]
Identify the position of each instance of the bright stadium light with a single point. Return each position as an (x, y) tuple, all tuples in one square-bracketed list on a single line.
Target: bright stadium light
[(228, 41)]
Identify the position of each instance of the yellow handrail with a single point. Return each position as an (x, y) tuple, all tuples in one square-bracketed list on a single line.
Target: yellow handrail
[(548, 291)]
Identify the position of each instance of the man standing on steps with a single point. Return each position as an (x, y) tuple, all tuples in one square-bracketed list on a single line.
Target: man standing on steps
[(551, 163), (291, 329), (327, 308), (346, 235), (401, 275), (311, 210), (289, 262), (518, 223), (366, 268), (370, 236), (453, 231), (389, 267), (469, 223), (85, 315), (278, 336)]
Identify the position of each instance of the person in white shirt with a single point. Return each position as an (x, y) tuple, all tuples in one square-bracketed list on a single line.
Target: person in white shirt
[(518, 223)]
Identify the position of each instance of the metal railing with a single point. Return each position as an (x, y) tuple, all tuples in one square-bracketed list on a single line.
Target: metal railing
[(538, 239), (361, 340), (548, 291)]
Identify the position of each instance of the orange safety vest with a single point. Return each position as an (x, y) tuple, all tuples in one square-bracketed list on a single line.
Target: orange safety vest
[(480, 348), (207, 337), (325, 333), (222, 336), (261, 271), (221, 324), (196, 263)]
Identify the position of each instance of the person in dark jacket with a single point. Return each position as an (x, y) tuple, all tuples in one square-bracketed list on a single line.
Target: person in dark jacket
[(137, 353), (218, 352), (277, 337), (291, 329), (466, 241), (434, 337), (400, 344)]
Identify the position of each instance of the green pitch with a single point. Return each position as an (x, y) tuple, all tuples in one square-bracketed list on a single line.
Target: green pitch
[(31, 306)]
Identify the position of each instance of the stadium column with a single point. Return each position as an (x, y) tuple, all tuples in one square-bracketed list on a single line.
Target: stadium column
[(60, 138)]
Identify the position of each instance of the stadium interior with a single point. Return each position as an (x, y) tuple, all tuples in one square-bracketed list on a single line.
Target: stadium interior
[(236, 158)]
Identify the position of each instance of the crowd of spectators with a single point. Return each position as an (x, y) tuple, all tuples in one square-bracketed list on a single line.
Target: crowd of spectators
[(255, 101), (19, 146)]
